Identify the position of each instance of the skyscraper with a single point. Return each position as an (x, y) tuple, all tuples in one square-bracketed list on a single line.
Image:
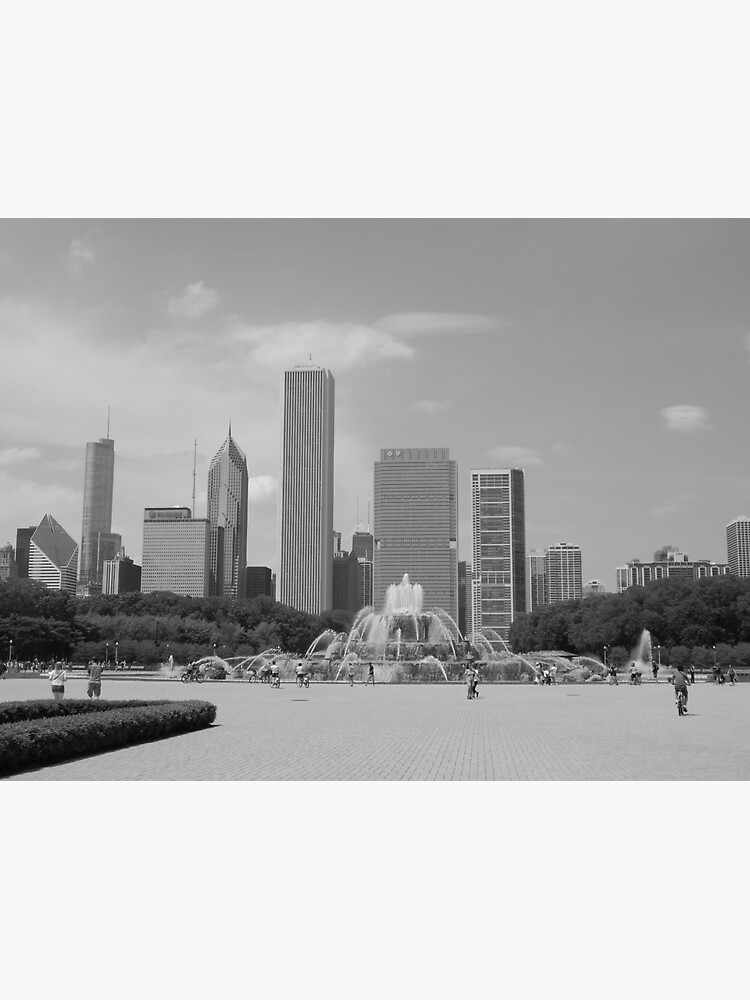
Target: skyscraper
[(23, 544), (305, 556), (738, 546), (498, 521), (227, 516), (97, 541), (53, 556), (175, 552), (416, 524), (362, 547), (563, 577)]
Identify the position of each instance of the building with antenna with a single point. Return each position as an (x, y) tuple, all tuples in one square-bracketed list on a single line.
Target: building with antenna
[(305, 556), (227, 518), (98, 542)]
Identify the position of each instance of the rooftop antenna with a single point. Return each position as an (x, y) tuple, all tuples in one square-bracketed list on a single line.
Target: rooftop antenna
[(108, 408), (357, 515), (368, 517), (195, 459)]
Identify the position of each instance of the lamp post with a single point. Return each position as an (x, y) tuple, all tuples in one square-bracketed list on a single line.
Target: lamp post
[(106, 654), (214, 650), (605, 655), (10, 653), (156, 639), (658, 653), (117, 643)]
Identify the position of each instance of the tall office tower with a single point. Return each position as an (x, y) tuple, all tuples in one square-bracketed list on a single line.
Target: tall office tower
[(675, 564), (536, 566), (7, 562), (23, 543), (227, 516), (176, 552), (121, 576), (416, 524), (97, 541), (563, 578), (305, 558), (738, 546), (53, 556), (363, 548), (499, 549)]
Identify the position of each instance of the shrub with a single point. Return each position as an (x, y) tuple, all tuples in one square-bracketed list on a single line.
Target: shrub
[(78, 728)]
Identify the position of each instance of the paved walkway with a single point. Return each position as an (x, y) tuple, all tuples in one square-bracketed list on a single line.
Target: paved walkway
[(426, 733)]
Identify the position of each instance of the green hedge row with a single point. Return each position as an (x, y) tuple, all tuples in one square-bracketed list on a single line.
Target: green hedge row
[(36, 742), (24, 711)]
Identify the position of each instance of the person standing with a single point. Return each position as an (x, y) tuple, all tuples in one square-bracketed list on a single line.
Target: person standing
[(351, 675), (95, 680), (732, 675), (692, 673), (58, 677), (469, 678), (655, 671)]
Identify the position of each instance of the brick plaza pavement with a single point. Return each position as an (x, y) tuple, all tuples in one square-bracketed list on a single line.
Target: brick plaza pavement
[(426, 733)]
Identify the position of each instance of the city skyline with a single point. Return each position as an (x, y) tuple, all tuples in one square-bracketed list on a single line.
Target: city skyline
[(606, 359)]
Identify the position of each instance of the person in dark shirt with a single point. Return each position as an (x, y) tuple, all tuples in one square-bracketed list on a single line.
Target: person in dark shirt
[(681, 684)]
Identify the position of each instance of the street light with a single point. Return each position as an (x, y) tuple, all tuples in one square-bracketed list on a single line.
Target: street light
[(10, 653), (117, 643), (214, 650), (106, 654), (658, 652), (605, 655)]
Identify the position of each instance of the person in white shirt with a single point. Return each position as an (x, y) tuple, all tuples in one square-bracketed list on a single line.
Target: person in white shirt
[(58, 677)]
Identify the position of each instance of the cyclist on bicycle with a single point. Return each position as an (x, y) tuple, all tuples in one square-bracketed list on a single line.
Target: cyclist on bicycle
[(681, 684), (300, 674)]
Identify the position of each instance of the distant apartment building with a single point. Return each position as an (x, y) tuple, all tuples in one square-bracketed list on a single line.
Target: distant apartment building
[(738, 546), (536, 569), (415, 524), (674, 565), (465, 576), (7, 562), (563, 580), (305, 559), (121, 576), (593, 587), (53, 556), (498, 549), (261, 582), (363, 547), (176, 552)]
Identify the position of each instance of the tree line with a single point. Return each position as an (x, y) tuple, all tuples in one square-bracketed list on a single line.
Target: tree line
[(147, 628), (689, 621)]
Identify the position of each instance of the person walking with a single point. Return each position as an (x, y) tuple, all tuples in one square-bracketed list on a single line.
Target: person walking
[(475, 685), (351, 675), (58, 677), (94, 689), (655, 671), (732, 675), (370, 675)]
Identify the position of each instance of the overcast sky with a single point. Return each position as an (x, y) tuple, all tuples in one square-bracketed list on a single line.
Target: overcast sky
[(607, 359)]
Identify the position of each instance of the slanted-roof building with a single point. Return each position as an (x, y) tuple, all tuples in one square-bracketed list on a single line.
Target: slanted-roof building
[(53, 556)]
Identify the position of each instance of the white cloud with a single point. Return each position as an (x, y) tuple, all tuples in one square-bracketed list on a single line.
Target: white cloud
[(15, 456), (261, 488), (196, 300), (514, 456), (80, 255), (412, 324), (429, 406), (687, 419), (338, 346)]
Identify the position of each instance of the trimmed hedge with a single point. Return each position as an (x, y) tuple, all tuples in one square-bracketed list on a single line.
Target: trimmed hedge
[(23, 711), (87, 727)]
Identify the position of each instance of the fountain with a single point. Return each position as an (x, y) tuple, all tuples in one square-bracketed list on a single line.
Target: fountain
[(641, 655)]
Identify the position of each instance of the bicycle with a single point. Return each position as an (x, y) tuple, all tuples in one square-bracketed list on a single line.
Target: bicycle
[(303, 681), (192, 674), (681, 708), (276, 681)]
